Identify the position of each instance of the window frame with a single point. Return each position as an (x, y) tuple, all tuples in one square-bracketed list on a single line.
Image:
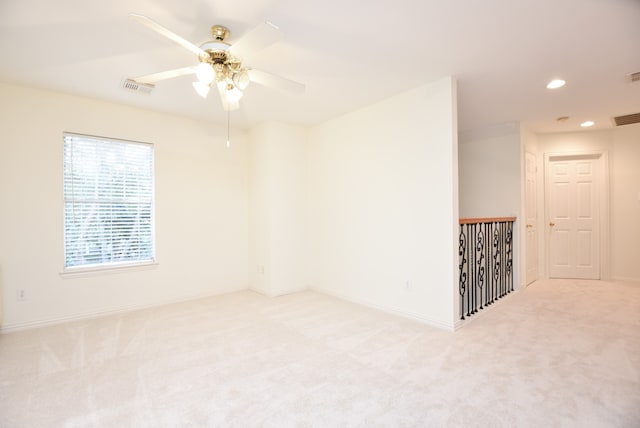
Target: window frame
[(113, 266)]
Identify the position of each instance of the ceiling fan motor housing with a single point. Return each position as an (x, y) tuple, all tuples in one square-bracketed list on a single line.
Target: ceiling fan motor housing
[(217, 57)]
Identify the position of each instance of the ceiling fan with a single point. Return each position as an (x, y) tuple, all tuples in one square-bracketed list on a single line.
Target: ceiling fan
[(220, 64)]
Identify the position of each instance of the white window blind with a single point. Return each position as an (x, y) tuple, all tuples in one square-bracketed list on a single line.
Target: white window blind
[(108, 201)]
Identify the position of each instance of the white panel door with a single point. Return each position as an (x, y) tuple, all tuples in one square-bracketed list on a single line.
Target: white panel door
[(531, 213), (574, 250)]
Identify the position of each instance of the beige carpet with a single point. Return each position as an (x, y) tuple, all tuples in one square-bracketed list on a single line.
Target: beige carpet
[(559, 354)]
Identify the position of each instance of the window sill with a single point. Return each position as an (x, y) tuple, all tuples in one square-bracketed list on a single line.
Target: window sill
[(107, 269)]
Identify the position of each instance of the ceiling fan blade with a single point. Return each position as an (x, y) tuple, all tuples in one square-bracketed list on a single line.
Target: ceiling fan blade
[(163, 75), (222, 90), (259, 38), (273, 81), (167, 33)]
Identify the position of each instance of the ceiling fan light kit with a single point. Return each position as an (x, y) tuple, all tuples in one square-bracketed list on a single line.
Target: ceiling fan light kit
[(202, 88), (205, 73)]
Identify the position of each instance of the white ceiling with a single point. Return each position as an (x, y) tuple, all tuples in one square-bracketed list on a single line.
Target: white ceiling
[(349, 53)]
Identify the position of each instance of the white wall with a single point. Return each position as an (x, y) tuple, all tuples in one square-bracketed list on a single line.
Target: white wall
[(490, 173), (382, 205), (623, 147), (352, 207), (201, 208), (494, 158), (625, 203), (277, 208), (491, 181)]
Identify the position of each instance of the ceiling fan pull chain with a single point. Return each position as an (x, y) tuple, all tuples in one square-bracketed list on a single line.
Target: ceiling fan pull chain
[(228, 127)]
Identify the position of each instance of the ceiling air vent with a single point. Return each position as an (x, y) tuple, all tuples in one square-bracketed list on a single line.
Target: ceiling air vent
[(627, 119), (132, 85), (635, 77)]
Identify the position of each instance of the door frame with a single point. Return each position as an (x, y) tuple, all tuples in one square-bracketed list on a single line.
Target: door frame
[(602, 159), (525, 216)]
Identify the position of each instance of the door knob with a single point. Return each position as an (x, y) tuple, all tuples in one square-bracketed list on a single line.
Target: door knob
[(551, 224)]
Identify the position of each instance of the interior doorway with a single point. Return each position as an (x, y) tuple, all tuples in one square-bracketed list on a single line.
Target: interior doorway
[(576, 206)]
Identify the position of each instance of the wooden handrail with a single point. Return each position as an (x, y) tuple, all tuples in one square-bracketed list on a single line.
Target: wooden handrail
[(486, 220)]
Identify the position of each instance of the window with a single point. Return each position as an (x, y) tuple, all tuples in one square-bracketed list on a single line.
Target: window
[(108, 202)]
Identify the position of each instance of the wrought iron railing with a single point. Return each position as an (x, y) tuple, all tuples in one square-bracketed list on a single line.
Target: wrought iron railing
[(486, 262)]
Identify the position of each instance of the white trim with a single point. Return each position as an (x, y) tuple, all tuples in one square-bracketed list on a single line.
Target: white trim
[(106, 269), (602, 158), (282, 293), (425, 320), (525, 217)]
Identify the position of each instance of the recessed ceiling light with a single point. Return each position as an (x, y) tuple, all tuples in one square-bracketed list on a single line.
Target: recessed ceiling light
[(555, 84), (587, 123)]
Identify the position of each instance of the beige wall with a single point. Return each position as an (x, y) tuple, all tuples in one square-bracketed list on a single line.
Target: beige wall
[(277, 229), (379, 189), (623, 147), (489, 172), (382, 205), (201, 208), (364, 207), (492, 159), (625, 203)]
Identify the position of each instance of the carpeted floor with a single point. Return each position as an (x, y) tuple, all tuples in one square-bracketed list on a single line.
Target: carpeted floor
[(561, 353)]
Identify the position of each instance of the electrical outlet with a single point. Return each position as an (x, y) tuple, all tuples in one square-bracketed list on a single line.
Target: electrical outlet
[(21, 295), (407, 285)]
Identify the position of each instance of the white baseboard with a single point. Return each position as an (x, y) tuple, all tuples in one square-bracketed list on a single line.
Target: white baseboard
[(405, 314), (12, 327), (637, 280), (456, 325), (281, 293)]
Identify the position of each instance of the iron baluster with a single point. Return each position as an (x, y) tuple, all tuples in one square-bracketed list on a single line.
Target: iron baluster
[(462, 253), (485, 251), (480, 262)]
